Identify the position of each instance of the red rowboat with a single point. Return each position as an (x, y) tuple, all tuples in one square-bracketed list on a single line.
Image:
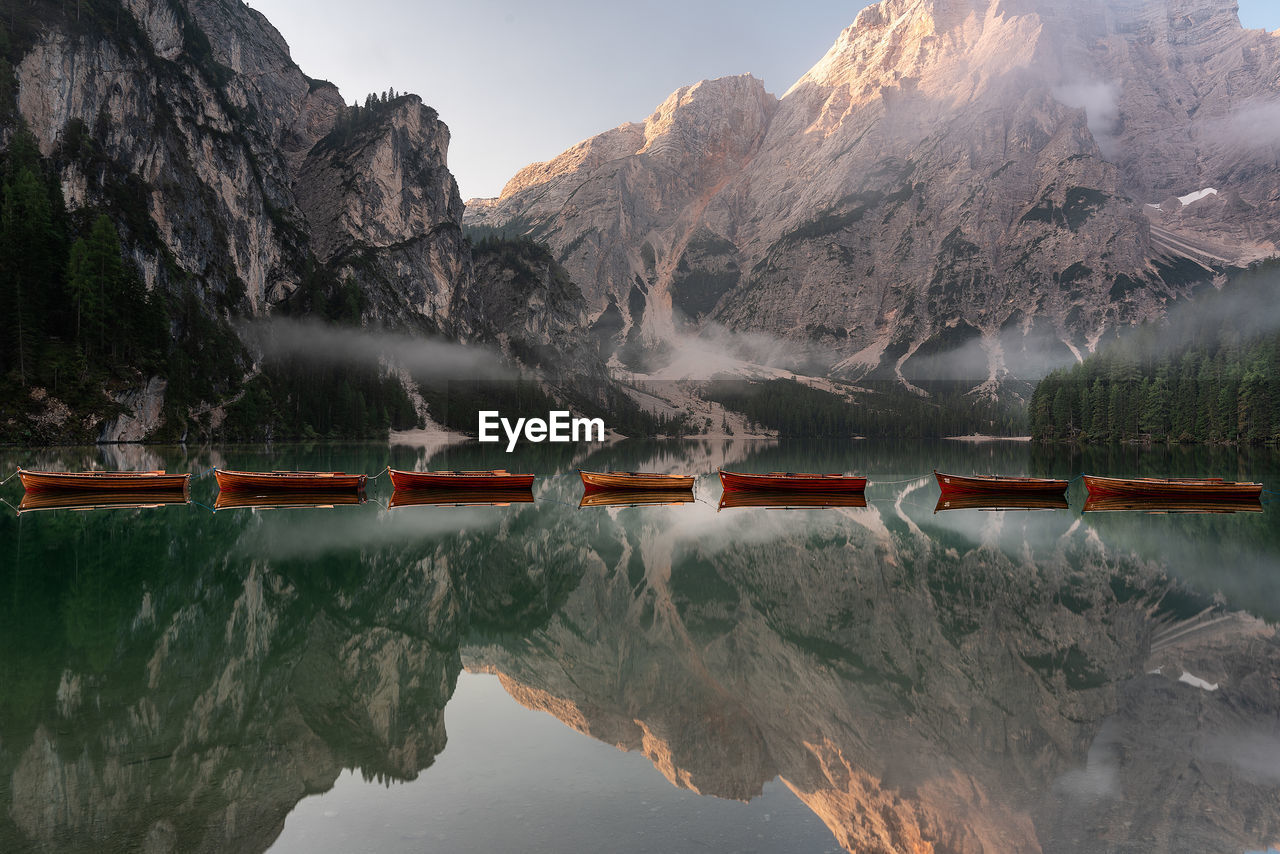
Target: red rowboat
[(644, 480), (274, 481), (142, 499), (496, 479), (951, 484), (633, 498), (1186, 487), (779, 481), (467, 497), (993, 501), (790, 500), (97, 481)]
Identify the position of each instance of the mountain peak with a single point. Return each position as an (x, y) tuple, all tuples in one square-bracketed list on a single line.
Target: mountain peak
[(690, 120), (950, 171), (941, 47)]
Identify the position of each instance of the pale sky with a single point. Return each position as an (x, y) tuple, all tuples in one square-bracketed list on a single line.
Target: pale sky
[(519, 82)]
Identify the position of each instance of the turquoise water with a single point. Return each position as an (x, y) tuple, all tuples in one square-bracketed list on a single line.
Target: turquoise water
[(539, 677)]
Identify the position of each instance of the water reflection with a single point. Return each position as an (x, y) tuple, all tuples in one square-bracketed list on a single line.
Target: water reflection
[(976, 679)]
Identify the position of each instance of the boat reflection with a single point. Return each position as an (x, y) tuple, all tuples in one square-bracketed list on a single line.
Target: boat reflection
[(1095, 504), (459, 497), (286, 500), (113, 499), (1001, 502), (634, 498), (790, 500)]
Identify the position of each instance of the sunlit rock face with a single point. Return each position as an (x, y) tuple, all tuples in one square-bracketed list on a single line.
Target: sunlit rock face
[(950, 172)]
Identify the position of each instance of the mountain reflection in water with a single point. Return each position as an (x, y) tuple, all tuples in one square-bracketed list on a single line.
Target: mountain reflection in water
[(971, 680)]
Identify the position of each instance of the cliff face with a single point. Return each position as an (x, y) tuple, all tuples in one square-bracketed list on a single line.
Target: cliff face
[(952, 171), (382, 207), (198, 110), (233, 177)]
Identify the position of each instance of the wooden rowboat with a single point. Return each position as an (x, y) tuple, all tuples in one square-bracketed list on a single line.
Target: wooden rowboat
[(955, 484), (495, 479), (293, 499), (634, 498), (1111, 503), (994, 501), (142, 499), (99, 481), (790, 499), (1186, 487), (466, 497), (643, 480), (263, 482), (779, 481)]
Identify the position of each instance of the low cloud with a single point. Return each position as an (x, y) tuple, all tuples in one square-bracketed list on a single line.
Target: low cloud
[(715, 351), (1251, 126), (1100, 101), (425, 358)]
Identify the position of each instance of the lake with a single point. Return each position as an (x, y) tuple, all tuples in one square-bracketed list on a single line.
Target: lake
[(546, 677)]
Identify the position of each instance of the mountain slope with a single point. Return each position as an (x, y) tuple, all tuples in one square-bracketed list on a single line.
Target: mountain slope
[(962, 177)]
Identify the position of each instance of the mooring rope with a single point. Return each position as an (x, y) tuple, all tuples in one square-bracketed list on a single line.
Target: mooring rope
[(10, 477), (895, 482), (379, 474)]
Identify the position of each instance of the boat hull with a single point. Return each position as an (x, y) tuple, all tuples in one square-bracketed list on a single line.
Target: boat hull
[(459, 480), (51, 481), (1210, 488), (276, 481), (792, 482), (954, 484), (646, 481)]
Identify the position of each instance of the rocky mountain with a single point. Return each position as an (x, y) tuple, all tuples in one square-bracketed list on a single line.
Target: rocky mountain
[(231, 150), (958, 189), (240, 187)]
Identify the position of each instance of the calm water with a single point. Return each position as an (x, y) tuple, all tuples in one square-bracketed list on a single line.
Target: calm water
[(539, 677)]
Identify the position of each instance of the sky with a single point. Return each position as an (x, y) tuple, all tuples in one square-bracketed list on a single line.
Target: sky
[(518, 82)]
